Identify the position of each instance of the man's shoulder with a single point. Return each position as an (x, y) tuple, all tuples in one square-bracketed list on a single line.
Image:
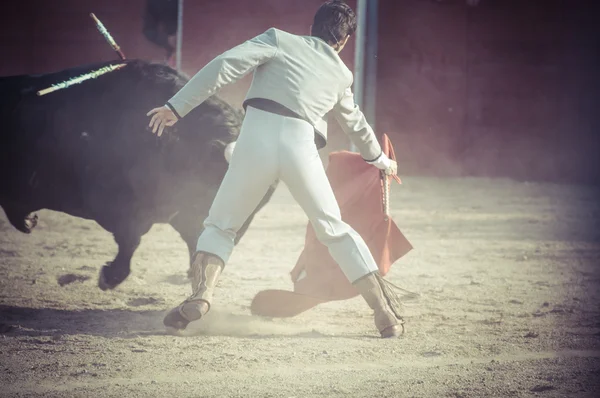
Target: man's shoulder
[(280, 31), (271, 32), (283, 35)]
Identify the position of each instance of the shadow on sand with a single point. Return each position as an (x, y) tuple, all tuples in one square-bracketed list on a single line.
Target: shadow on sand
[(117, 323)]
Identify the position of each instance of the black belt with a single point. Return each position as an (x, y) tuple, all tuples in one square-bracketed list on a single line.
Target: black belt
[(274, 107), (271, 107)]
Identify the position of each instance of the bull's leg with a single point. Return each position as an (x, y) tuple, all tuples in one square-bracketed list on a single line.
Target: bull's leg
[(21, 218), (116, 271), (189, 226)]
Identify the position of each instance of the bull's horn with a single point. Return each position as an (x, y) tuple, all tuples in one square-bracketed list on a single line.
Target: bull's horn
[(229, 151)]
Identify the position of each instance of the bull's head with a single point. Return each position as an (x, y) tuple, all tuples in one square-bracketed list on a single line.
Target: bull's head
[(202, 141)]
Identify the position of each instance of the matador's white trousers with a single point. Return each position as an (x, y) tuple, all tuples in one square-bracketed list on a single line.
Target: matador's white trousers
[(272, 147)]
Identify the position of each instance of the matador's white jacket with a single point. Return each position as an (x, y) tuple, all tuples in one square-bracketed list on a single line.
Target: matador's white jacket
[(302, 73)]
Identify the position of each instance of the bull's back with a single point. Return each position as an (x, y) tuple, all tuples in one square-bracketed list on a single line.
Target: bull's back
[(88, 146), (56, 145)]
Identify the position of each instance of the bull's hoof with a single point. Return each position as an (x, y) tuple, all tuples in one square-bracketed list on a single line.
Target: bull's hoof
[(30, 222), (22, 223), (102, 283), (109, 279)]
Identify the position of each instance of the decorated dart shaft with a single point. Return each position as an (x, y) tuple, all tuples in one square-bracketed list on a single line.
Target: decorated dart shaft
[(79, 79), (386, 195), (107, 36)]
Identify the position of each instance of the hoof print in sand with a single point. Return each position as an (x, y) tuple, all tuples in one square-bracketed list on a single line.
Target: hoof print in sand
[(70, 278), (138, 302), (542, 388)]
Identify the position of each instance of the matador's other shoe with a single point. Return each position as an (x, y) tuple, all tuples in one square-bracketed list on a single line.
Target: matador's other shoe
[(204, 273), (384, 302)]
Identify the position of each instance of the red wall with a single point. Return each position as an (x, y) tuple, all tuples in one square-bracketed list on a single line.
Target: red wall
[(506, 88)]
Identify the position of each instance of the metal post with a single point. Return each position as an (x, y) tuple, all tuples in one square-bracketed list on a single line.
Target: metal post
[(370, 91), (179, 33), (359, 52)]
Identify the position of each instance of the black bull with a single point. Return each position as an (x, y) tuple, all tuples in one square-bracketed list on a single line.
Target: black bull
[(86, 151)]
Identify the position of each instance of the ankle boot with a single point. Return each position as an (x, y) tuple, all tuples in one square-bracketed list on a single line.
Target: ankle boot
[(204, 273), (380, 297)]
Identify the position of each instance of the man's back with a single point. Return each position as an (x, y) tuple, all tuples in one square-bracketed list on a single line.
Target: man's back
[(305, 75)]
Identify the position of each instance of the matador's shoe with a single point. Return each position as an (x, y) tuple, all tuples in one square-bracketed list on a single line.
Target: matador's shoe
[(384, 301), (204, 273)]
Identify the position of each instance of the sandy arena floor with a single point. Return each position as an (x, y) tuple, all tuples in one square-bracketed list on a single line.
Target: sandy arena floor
[(508, 274)]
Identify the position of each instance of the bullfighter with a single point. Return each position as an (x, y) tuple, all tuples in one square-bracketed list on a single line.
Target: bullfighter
[(298, 82)]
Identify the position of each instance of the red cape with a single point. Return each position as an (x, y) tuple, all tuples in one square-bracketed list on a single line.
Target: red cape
[(358, 188)]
